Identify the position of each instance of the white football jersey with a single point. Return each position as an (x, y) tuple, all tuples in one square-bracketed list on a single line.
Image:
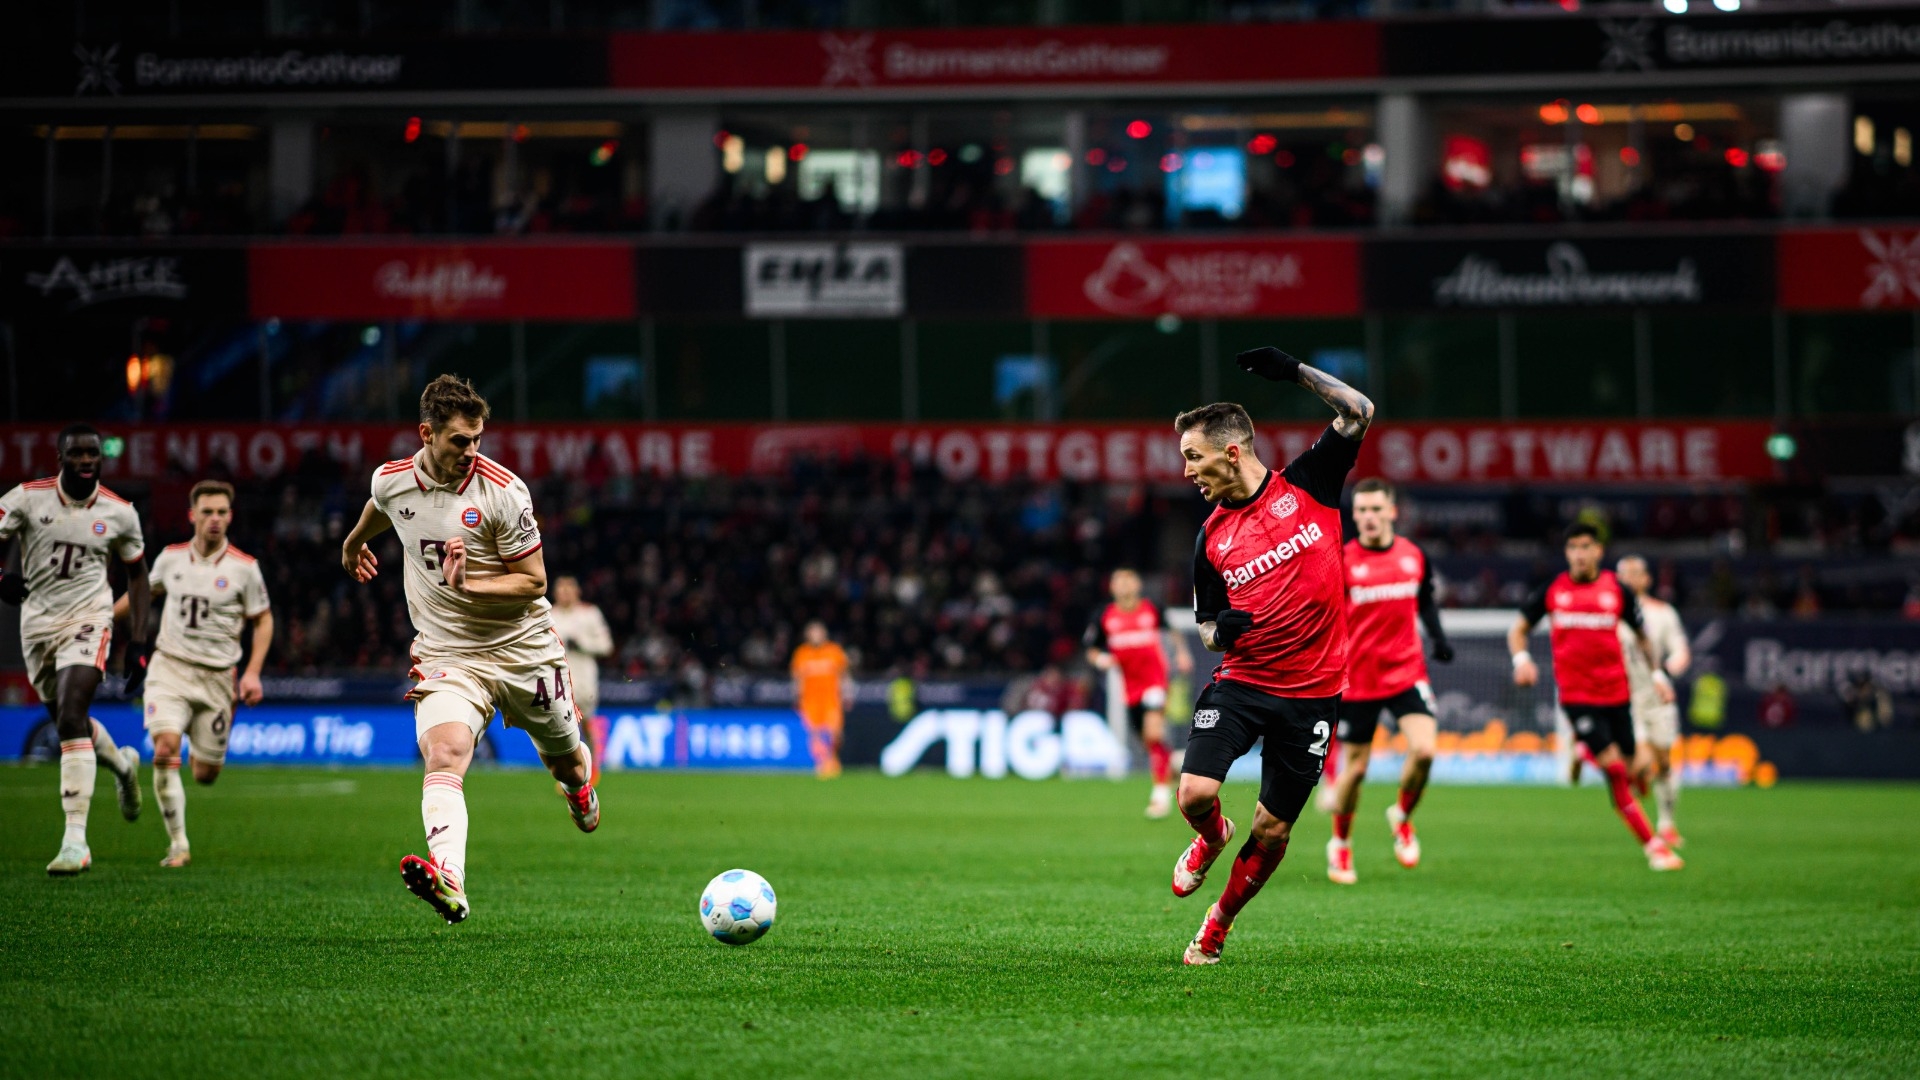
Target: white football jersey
[(64, 549), (583, 629), (491, 509), (208, 602), (1664, 634)]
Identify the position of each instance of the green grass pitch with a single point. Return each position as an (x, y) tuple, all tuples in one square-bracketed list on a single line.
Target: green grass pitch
[(931, 927)]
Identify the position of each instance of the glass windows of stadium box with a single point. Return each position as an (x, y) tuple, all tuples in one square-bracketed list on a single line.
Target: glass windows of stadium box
[(714, 370), (977, 369), (1712, 365), (1884, 178), (1574, 365), (475, 176), (1853, 365), (1440, 367), (1125, 370), (842, 369), (1602, 157), (151, 179), (1247, 166)]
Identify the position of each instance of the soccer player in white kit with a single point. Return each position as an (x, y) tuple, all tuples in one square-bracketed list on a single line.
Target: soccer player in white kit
[(584, 631), (67, 526), (476, 588), (210, 593), (1656, 725)]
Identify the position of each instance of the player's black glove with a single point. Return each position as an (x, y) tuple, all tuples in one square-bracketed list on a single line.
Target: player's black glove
[(1269, 363), (1443, 652), (13, 588), (1229, 625), (136, 665)]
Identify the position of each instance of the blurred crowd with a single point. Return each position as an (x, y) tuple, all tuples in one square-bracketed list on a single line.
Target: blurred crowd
[(917, 576)]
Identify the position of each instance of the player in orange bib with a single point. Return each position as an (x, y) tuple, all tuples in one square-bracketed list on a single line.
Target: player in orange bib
[(821, 687)]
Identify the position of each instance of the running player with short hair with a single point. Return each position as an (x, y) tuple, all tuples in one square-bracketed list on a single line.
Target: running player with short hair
[(822, 686), (1126, 634), (211, 593), (1586, 606), (476, 587), (1267, 593), (1389, 586), (1656, 724), (67, 526)]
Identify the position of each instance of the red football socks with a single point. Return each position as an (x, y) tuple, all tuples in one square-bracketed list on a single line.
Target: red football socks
[(1162, 762), (1410, 798), (1251, 869), (1624, 802), (1209, 824), (1343, 826)]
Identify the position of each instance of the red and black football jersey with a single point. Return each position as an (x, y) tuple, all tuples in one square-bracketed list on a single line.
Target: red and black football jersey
[(1277, 555), (1388, 589), (1585, 617), (1133, 637)]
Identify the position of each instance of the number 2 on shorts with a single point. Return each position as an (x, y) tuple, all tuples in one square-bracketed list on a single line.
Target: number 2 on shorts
[(1321, 733)]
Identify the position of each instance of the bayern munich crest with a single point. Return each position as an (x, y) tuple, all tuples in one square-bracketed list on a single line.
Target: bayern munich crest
[(1285, 505), (219, 583), (470, 518), (99, 528)]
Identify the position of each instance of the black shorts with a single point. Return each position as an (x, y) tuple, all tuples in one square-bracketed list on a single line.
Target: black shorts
[(1601, 726), (1229, 717), (1154, 700), (1358, 719)]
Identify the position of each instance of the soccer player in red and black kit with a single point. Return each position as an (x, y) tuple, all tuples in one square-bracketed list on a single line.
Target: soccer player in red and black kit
[(1127, 634), (1268, 591), (1587, 605), (1389, 585)]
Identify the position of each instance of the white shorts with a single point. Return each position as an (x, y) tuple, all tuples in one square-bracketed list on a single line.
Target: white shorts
[(585, 673), (1656, 724), (528, 684), (189, 699), (76, 644)]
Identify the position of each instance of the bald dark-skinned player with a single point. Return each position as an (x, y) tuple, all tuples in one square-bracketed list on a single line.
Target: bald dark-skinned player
[(69, 527), (1268, 587)]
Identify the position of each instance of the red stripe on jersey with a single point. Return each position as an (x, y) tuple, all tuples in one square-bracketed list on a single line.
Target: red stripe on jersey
[(106, 639), (522, 555), (109, 493), (238, 554), (1383, 606), (492, 471), (396, 466), (41, 484), (180, 545)]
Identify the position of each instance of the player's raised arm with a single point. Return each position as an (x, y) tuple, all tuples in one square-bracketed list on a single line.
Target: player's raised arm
[(356, 558), (1354, 411)]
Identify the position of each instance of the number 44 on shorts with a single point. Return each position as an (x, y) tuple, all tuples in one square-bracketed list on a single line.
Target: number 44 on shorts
[(540, 695)]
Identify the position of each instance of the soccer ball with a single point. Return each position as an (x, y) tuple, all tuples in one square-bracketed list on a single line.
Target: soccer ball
[(737, 907)]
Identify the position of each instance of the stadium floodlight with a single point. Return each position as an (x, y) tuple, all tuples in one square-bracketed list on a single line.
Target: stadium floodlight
[(1727, 5), (1676, 7)]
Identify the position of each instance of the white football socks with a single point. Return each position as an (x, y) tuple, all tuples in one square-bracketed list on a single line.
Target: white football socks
[(1666, 794), (77, 767), (171, 794), (443, 810), (104, 750)]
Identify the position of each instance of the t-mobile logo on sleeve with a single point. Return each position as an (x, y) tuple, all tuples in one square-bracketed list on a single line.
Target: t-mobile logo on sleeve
[(1267, 560)]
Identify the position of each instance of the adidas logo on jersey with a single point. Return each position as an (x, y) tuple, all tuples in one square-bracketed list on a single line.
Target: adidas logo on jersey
[(406, 514), (1267, 560)]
